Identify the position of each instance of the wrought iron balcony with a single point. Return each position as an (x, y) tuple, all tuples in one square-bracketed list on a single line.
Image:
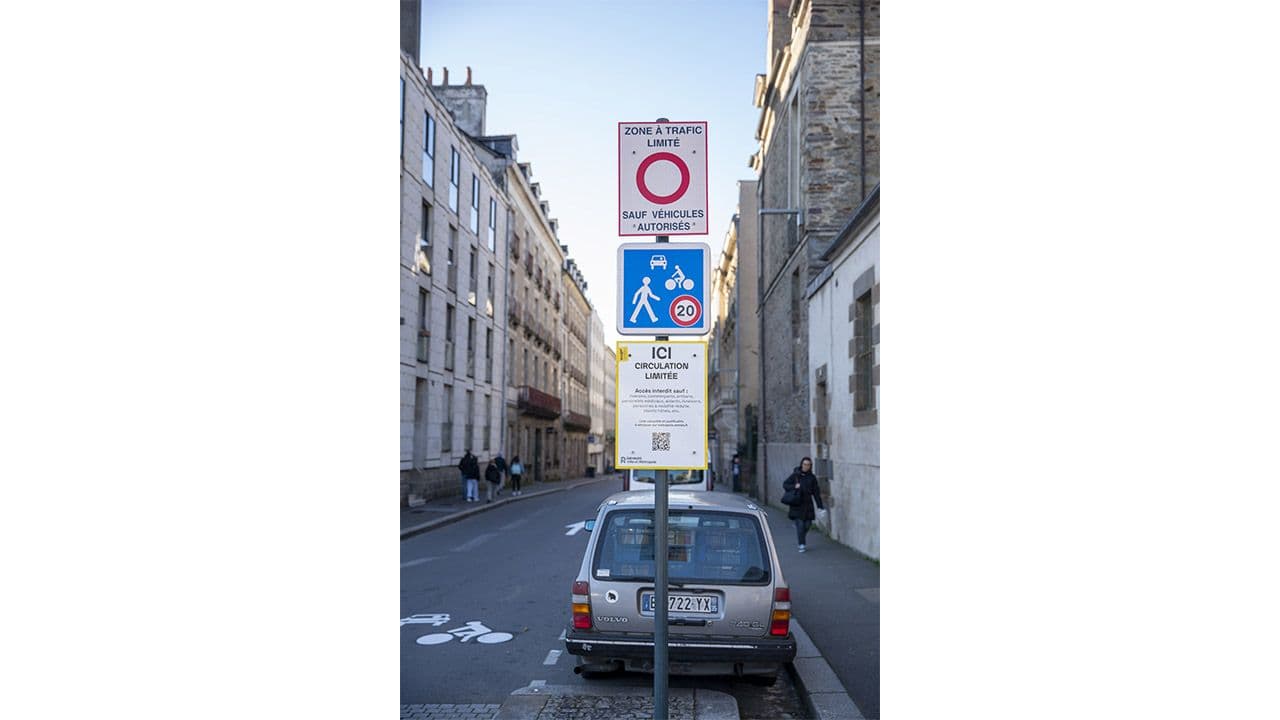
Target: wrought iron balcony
[(532, 401), (577, 421)]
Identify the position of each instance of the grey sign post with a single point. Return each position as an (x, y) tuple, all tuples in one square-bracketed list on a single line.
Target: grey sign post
[(641, 208)]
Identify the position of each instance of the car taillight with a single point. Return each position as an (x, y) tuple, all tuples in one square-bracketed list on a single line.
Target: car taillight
[(780, 620), (581, 605)]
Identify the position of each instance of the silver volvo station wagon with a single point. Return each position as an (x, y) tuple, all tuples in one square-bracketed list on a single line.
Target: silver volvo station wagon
[(728, 606)]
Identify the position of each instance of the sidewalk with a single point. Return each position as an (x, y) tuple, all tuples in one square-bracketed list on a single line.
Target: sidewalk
[(835, 594), (443, 511)]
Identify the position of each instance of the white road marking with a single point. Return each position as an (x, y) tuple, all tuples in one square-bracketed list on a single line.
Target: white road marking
[(562, 634), (514, 525), (576, 527), (552, 657), (419, 561), (537, 683), (473, 542)]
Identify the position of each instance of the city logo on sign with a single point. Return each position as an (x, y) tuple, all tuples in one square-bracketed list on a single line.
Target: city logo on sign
[(662, 178), (663, 288)]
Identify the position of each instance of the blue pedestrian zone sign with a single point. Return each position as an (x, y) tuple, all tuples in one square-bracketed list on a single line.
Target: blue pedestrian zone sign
[(662, 288)]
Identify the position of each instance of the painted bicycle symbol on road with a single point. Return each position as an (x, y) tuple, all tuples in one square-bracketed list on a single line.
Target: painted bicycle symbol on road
[(473, 629)]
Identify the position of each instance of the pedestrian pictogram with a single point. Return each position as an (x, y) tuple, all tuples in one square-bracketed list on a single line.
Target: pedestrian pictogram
[(641, 301), (662, 288), (662, 178)]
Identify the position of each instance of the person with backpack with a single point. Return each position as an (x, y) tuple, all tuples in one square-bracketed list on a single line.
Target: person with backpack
[(492, 478), (800, 492), (501, 462), (470, 467), (517, 471)]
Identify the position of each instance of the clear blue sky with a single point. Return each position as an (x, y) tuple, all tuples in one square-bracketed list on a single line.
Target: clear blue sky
[(562, 73)]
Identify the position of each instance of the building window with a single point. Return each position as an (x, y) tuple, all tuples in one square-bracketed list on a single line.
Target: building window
[(471, 270), (471, 347), (419, 423), (864, 398), (493, 225), (454, 175), (424, 240), (488, 416), (424, 332), (449, 313), (469, 443), (475, 204), (446, 429), (451, 274), (429, 151), (488, 355), (488, 298)]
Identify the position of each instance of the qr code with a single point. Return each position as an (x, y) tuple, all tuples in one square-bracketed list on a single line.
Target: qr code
[(661, 441)]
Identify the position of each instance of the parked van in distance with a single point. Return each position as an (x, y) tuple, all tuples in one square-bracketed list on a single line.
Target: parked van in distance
[(676, 480)]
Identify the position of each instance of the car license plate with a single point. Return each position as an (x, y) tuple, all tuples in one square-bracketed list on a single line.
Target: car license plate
[(683, 604)]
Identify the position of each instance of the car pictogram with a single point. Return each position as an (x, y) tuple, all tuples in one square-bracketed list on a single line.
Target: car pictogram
[(658, 261)]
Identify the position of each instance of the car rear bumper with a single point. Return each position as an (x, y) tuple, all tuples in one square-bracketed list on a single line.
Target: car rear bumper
[(682, 649)]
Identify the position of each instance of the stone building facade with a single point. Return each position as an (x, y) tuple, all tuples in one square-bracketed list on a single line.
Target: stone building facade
[(734, 345), (595, 393), (535, 320), (844, 363), (577, 409), (818, 160), (610, 405), (452, 292)]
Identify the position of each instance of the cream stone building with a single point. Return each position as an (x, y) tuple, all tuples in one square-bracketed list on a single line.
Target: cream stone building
[(453, 225)]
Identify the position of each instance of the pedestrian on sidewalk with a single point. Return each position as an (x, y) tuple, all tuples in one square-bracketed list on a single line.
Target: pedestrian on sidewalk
[(501, 462), (492, 478), (737, 473), (803, 481), (470, 467), (517, 470)]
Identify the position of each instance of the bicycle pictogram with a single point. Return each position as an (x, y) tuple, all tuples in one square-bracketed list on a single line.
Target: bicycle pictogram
[(473, 629), (678, 278)]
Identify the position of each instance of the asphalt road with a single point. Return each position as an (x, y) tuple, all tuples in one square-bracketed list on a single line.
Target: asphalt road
[(496, 587)]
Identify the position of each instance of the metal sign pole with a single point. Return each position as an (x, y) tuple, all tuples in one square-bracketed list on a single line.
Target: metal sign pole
[(660, 575), (660, 666)]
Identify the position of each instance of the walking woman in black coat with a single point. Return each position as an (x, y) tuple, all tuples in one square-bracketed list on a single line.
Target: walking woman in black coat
[(803, 481)]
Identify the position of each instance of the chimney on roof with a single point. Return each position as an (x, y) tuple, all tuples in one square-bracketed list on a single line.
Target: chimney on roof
[(466, 103), (428, 76)]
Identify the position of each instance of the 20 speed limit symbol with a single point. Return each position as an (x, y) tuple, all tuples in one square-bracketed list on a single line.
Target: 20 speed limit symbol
[(686, 311)]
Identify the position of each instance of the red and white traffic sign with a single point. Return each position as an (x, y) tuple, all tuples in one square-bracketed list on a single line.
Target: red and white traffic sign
[(662, 178), (686, 311)]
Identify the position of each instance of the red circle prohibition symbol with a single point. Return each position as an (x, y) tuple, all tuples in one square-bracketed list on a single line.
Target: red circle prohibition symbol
[(662, 199), (692, 320)]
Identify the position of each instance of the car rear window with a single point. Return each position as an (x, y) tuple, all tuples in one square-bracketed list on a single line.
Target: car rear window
[(674, 477), (702, 546)]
